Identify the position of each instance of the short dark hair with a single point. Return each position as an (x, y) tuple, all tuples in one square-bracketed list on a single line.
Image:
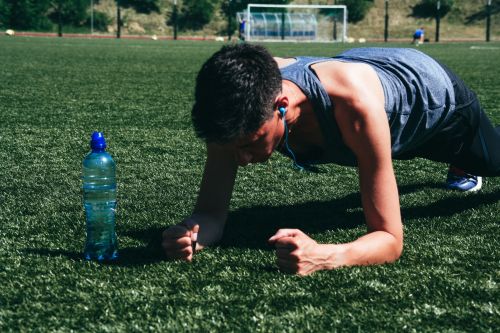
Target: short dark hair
[(235, 92)]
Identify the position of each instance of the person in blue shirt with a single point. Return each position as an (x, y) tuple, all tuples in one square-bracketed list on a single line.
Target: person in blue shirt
[(362, 108), (418, 36), (241, 30)]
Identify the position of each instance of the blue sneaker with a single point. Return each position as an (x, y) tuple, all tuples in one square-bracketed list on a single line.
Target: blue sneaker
[(460, 180)]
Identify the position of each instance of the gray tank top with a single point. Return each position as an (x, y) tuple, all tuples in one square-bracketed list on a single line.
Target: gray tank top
[(419, 97)]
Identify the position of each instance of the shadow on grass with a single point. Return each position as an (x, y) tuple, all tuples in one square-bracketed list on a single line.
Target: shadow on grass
[(130, 256), (452, 205), (251, 227)]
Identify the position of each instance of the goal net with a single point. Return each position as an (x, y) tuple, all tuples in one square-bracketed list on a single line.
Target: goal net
[(319, 23)]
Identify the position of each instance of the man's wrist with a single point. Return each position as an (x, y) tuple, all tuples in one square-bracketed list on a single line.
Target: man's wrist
[(210, 231), (335, 255)]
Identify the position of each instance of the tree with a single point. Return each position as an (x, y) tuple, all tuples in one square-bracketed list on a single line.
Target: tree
[(193, 14), (24, 14), (356, 9), (101, 21), (140, 6), (432, 8), (490, 8), (67, 12), (229, 9), (483, 13), (428, 8)]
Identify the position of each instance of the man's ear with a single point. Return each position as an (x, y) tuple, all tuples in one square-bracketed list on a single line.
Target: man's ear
[(281, 102)]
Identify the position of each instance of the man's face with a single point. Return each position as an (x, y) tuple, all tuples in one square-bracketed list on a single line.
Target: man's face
[(259, 146)]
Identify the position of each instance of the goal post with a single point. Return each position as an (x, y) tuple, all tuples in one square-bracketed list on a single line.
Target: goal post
[(269, 22)]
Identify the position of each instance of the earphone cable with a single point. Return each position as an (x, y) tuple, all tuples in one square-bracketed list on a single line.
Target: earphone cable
[(295, 164)]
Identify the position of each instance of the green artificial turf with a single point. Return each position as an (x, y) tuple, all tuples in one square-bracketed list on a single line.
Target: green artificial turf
[(55, 92)]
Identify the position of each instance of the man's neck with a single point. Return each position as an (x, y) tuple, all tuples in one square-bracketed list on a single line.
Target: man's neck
[(297, 102)]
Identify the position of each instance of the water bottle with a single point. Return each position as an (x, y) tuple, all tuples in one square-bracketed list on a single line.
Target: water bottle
[(99, 199)]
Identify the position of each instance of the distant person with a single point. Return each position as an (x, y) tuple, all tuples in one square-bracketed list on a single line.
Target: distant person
[(418, 36), (241, 31), (362, 108)]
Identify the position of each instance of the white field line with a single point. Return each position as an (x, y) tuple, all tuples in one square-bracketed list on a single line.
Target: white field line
[(485, 48)]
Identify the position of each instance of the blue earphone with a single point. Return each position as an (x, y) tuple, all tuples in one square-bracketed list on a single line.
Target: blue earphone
[(282, 111)]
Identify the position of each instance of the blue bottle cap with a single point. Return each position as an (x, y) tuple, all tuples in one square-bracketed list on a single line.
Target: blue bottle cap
[(98, 141)]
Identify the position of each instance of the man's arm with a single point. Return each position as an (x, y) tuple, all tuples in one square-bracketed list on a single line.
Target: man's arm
[(358, 98), (216, 188), (365, 129), (211, 208)]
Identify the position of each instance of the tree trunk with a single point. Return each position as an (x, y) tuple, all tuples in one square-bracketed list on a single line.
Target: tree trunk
[(175, 17), (59, 22), (118, 21)]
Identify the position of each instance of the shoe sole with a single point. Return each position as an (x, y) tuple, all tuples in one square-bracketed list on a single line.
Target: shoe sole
[(478, 185), (476, 188)]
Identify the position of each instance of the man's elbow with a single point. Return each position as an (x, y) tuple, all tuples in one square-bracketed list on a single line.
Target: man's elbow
[(396, 249)]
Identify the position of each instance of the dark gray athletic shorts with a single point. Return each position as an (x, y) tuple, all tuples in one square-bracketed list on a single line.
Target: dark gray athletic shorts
[(468, 141)]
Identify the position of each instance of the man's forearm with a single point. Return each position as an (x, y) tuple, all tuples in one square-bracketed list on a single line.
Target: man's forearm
[(377, 247)]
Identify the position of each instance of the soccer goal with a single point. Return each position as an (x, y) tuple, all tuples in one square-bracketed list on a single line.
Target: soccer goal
[(319, 23)]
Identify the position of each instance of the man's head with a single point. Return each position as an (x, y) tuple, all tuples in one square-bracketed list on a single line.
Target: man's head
[(235, 93)]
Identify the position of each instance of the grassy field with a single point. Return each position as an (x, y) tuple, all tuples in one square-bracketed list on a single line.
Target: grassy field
[(55, 92)]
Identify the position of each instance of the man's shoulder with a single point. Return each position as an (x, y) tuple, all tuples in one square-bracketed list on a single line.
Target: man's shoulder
[(283, 62), (342, 73), (348, 82)]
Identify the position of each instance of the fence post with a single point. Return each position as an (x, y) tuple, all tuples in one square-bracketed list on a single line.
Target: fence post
[(386, 25), (283, 25), (488, 20), (175, 16), (334, 28), (438, 19)]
